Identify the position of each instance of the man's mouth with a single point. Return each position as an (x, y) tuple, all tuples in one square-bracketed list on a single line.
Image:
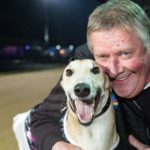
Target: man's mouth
[(120, 80), (85, 108)]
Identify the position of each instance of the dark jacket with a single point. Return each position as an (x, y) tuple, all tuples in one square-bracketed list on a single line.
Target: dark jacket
[(132, 116)]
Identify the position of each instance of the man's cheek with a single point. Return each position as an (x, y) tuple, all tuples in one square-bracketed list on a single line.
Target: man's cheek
[(136, 65)]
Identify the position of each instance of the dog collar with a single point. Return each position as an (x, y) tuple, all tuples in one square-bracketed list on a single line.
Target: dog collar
[(114, 101), (105, 107)]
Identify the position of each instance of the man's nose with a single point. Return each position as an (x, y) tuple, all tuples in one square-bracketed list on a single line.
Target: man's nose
[(113, 67)]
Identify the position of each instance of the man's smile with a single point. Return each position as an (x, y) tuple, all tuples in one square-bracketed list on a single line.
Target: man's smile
[(121, 80)]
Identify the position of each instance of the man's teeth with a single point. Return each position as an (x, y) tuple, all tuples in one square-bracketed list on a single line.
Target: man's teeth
[(122, 78)]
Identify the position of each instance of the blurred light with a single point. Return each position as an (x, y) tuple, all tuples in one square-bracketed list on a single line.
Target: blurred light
[(10, 50), (58, 47), (71, 47), (27, 47), (61, 51), (52, 54), (46, 34)]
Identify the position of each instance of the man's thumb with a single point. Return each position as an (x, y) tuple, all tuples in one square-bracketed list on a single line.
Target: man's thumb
[(136, 143)]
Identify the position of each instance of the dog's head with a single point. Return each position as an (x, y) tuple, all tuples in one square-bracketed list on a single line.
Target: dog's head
[(87, 89)]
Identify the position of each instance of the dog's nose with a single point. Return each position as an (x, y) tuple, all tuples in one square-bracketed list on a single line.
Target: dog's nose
[(82, 90)]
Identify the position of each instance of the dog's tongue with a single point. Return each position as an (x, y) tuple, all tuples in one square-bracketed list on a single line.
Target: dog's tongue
[(84, 111)]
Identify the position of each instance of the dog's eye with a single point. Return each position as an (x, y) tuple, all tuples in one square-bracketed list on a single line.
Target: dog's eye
[(95, 70), (69, 72)]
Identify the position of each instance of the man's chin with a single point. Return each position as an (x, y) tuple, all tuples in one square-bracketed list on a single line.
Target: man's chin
[(123, 92)]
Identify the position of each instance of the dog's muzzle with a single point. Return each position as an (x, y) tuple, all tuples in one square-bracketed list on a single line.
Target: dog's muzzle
[(85, 105)]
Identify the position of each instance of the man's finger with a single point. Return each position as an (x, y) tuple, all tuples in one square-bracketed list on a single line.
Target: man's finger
[(136, 143)]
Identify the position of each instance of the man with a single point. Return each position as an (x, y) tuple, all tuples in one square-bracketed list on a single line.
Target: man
[(118, 36)]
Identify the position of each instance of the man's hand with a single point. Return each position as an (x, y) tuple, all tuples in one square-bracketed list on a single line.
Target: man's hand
[(137, 144), (65, 146)]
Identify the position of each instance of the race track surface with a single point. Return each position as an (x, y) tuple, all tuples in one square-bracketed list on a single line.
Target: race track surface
[(18, 93)]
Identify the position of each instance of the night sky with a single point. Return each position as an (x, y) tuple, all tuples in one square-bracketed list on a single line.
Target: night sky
[(24, 20)]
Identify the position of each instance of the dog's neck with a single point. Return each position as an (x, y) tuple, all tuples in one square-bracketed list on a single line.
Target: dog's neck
[(81, 135)]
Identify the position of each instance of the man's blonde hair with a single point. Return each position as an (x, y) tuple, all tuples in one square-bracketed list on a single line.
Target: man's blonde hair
[(124, 14)]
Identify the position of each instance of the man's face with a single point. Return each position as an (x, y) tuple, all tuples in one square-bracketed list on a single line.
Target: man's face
[(123, 58)]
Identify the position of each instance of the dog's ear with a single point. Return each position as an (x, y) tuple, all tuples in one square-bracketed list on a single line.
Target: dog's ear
[(107, 83), (61, 82)]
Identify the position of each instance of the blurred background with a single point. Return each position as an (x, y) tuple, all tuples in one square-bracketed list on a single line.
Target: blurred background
[(37, 38), (41, 31)]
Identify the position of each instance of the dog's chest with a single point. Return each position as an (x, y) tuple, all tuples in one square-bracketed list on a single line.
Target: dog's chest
[(91, 137)]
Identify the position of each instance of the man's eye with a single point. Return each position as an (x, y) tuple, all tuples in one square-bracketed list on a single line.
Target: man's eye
[(125, 53), (101, 57), (95, 70), (69, 72)]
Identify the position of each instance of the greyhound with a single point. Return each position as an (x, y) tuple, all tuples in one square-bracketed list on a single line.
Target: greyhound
[(90, 120)]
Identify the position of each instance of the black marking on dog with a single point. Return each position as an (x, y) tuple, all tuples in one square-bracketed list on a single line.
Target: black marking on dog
[(104, 108)]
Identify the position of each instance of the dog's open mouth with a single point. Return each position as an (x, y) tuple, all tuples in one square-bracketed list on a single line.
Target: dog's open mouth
[(85, 108), (84, 111)]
